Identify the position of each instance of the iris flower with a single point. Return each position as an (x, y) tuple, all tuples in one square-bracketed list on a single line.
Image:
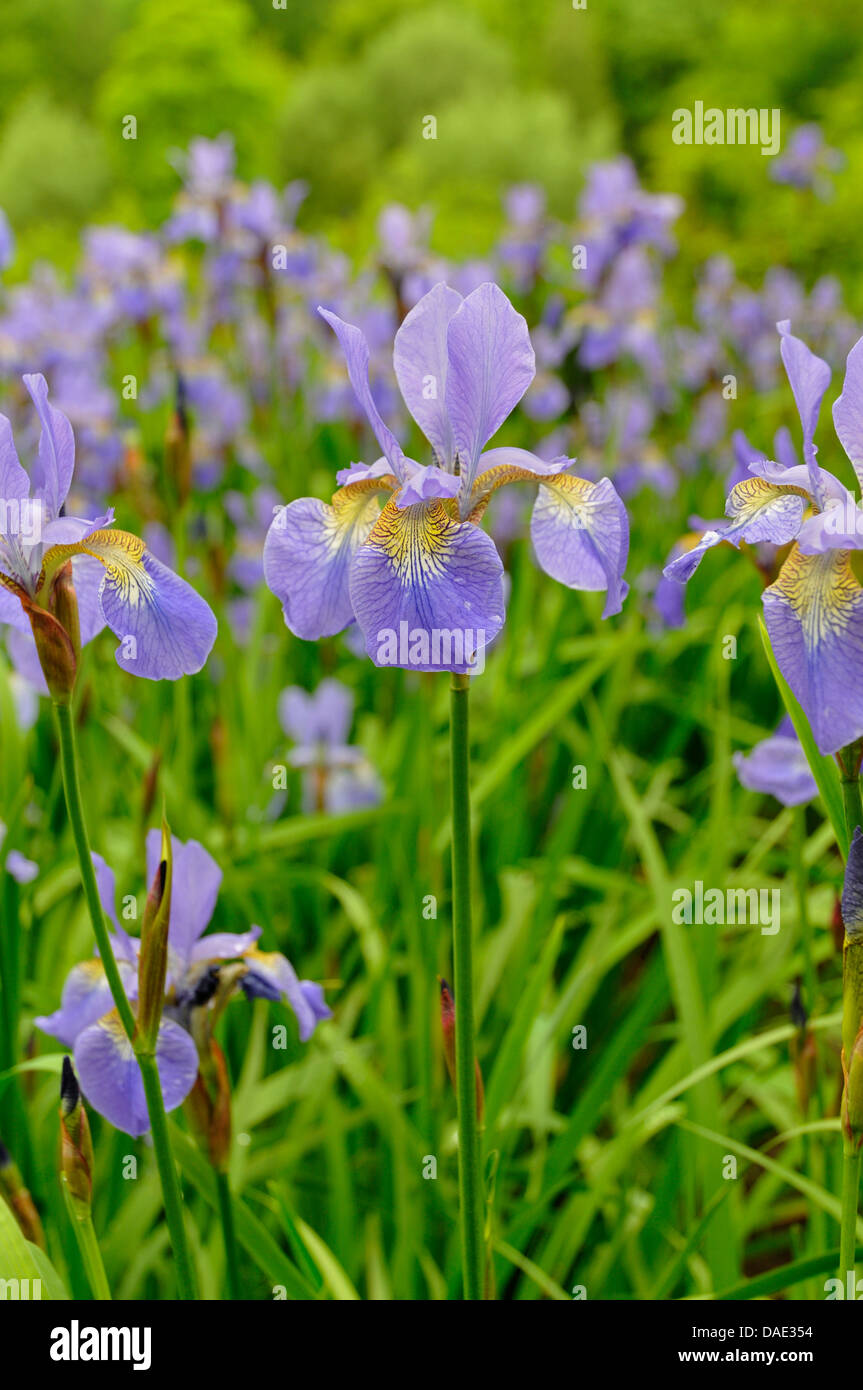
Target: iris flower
[(422, 565), (336, 775), (166, 630), (88, 1023), (777, 765), (814, 609)]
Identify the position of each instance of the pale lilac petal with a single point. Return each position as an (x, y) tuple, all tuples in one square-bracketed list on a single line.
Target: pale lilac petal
[(14, 483), (778, 767), (424, 484), (491, 365), (684, 564), (25, 658), (838, 527), (426, 590), (809, 377), (65, 530), (55, 463), (308, 555), (271, 976), (814, 616), (761, 511), (356, 351), (111, 1078), (421, 362), (166, 629), (86, 998), (195, 882), (580, 532), (848, 410), (321, 718), (223, 945)]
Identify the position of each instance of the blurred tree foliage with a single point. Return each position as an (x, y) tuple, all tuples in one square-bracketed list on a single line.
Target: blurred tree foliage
[(335, 91)]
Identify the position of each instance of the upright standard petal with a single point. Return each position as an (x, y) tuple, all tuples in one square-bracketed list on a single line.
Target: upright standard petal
[(55, 462), (814, 616), (427, 590), (356, 351), (848, 410), (14, 483), (308, 555), (809, 377), (491, 365), (111, 1078), (421, 363)]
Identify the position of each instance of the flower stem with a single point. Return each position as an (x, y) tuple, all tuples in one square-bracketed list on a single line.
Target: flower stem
[(91, 1255), (72, 788), (226, 1213), (850, 1186), (152, 1089), (171, 1193), (469, 1145)]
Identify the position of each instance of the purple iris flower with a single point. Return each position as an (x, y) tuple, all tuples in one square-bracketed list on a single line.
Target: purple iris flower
[(619, 214), (166, 630), (421, 577), (336, 776), (814, 609), (777, 765), (807, 161), (88, 1023)]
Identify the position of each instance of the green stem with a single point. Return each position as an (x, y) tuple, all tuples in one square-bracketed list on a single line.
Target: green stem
[(226, 1213), (851, 803), (850, 1186), (171, 1193), (469, 1156), (155, 1105), (72, 788), (91, 1255)]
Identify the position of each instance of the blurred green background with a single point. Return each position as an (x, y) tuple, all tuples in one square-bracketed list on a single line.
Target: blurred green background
[(335, 91)]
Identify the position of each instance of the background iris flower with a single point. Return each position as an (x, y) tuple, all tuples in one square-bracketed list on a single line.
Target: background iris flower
[(87, 1022), (778, 765), (814, 609), (336, 775), (166, 629), (462, 366)]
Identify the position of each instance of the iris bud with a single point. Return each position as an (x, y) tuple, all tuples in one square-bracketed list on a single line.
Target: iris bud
[(76, 1146), (153, 958)]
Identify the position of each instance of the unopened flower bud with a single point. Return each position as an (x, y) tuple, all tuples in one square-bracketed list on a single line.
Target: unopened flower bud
[(56, 653), (19, 1199), (76, 1146), (153, 958)]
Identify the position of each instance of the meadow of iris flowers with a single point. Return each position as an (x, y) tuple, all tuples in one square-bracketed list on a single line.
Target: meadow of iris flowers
[(423, 878)]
